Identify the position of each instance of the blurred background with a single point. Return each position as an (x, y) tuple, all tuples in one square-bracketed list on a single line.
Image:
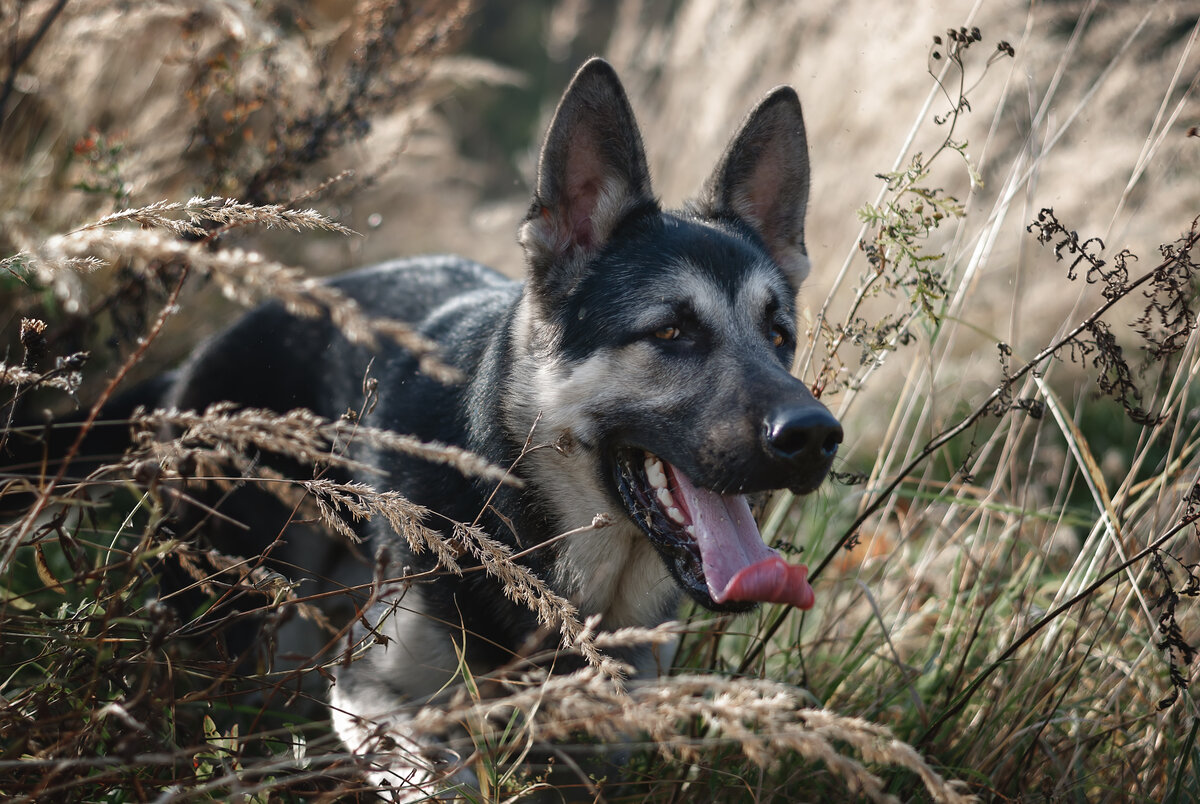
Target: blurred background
[(116, 105)]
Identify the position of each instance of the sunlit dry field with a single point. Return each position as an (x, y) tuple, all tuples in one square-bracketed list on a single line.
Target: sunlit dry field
[(1001, 312)]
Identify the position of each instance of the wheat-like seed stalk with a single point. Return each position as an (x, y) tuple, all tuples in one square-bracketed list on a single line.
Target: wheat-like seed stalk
[(663, 634), (223, 211), (462, 460), (301, 435), (767, 720), (332, 498), (81, 265), (247, 278), (362, 502), (226, 433), (15, 375), (406, 519), (524, 587)]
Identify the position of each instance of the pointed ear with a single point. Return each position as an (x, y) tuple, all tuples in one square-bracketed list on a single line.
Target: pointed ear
[(763, 180), (592, 173)]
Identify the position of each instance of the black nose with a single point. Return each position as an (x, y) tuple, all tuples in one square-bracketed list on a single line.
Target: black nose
[(804, 435)]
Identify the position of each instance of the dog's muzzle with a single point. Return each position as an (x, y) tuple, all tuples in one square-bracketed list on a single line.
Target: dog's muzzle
[(709, 541)]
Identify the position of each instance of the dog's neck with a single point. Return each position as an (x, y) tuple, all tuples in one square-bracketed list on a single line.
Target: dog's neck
[(612, 570)]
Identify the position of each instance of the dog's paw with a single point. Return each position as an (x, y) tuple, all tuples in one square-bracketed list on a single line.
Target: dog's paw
[(404, 767)]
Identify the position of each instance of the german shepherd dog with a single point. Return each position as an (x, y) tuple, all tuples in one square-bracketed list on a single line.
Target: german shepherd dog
[(649, 350)]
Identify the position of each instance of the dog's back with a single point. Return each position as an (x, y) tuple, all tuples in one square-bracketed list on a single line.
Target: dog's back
[(276, 361)]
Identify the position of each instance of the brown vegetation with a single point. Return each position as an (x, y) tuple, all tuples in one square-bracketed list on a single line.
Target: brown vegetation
[(1023, 467)]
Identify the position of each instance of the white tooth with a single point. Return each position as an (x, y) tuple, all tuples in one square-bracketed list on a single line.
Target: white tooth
[(664, 499), (691, 530), (676, 514), (655, 473)]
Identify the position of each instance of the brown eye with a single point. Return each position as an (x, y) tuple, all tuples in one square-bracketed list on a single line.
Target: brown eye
[(668, 333), (777, 337)]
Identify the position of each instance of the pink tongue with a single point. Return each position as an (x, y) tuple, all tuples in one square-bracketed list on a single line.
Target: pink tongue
[(736, 563)]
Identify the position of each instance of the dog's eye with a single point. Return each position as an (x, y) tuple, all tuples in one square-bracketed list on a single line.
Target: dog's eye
[(778, 337), (668, 333)]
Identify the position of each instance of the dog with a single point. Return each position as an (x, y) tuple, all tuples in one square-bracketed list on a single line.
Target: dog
[(646, 357)]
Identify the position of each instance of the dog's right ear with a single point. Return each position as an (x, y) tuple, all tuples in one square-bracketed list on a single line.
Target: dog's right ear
[(592, 174)]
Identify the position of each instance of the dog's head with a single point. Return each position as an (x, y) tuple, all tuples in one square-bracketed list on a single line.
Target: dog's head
[(657, 344)]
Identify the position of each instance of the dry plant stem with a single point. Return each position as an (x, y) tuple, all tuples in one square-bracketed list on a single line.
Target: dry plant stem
[(1044, 111), (804, 361), (950, 433), (135, 357), (248, 278), (1154, 141), (764, 719), (304, 436), (981, 410), (324, 764), (14, 66), (18, 376), (226, 212), (864, 290), (966, 695)]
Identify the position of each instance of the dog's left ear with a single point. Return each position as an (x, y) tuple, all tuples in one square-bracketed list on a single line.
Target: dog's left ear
[(763, 180)]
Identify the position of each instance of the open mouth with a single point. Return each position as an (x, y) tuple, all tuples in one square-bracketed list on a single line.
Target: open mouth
[(709, 540)]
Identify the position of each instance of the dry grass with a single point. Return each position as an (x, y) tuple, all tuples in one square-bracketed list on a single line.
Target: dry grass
[(998, 601), (1005, 584)]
